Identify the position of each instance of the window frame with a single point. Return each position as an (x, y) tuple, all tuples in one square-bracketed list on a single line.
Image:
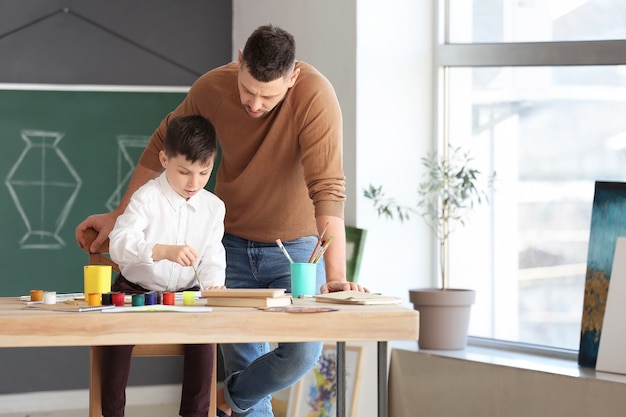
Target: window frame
[(512, 54)]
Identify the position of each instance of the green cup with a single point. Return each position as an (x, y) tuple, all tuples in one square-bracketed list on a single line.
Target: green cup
[(303, 279)]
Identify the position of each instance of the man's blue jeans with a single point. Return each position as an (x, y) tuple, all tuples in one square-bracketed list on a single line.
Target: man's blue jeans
[(253, 372)]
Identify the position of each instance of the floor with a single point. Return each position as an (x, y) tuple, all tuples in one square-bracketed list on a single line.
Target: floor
[(149, 401), (161, 410)]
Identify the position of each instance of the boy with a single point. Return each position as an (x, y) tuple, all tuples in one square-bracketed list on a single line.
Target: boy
[(171, 228)]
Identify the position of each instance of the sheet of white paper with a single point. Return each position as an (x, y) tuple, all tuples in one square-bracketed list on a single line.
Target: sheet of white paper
[(159, 307)]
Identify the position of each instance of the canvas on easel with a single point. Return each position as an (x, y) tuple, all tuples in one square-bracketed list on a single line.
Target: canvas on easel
[(608, 222), (611, 356)]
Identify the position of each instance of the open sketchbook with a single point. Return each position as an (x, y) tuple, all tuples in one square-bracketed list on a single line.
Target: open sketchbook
[(80, 307), (68, 307), (356, 297), (159, 307)]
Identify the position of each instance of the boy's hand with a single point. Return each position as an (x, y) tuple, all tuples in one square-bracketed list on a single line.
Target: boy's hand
[(183, 255)]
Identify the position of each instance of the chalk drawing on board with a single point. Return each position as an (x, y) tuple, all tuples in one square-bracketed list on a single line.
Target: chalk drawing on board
[(43, 185), (129, 149)]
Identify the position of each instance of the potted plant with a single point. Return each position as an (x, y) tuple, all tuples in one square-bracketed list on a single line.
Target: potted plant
[(447, 195)]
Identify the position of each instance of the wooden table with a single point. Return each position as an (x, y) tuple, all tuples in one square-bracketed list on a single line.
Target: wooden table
[(40, 328)]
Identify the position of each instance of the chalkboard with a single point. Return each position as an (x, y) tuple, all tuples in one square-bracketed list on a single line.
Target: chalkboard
[(66, 154)]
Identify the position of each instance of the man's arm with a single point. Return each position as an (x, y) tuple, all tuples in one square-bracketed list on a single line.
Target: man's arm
[(104, 223), (335, 256)]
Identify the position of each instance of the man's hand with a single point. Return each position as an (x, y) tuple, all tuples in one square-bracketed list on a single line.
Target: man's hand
[(334, 286), (102, 223)]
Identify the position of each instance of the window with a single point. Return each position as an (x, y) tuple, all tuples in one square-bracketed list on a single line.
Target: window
[(536, 20), (549, 118)]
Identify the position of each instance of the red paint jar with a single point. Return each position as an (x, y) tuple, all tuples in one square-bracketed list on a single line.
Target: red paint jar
[(169, 298), (118, 299)]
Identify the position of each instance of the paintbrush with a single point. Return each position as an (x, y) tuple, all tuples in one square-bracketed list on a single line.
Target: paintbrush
[(322, 250), (319, 240), (195, 271), (282, 248)]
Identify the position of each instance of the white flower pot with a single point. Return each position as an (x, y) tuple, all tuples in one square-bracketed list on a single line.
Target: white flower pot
[(444, 317)]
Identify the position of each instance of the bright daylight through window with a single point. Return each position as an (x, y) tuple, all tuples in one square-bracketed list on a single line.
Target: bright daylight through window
[(550, 127)]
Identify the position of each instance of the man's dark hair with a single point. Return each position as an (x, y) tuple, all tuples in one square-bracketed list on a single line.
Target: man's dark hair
[(269, 53), (190, 136)]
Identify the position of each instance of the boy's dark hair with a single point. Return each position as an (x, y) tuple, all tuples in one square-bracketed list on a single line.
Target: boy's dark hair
[(190, 136), (269, 53)]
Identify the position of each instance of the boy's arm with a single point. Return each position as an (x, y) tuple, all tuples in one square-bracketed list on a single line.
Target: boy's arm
[(127, 240), (184, 255)]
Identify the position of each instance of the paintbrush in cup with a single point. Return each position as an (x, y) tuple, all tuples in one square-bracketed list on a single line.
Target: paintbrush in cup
[(317, 245), (282, 248)]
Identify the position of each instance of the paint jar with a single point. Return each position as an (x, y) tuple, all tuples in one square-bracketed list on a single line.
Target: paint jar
[(118, 299), (150, 298), (169, 298), (36, 295), (189, 298), (50, 297), (94, 299), (138, 300), (107, 299)]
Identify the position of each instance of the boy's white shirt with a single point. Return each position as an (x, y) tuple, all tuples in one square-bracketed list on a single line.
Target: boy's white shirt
[(157, 214)]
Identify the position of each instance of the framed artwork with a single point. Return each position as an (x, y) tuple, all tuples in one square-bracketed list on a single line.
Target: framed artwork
[(315, 395), (608, 222)]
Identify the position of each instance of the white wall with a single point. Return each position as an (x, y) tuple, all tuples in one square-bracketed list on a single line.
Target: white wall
[(325, 32), (394, 117), (431, 385), (378, 56)]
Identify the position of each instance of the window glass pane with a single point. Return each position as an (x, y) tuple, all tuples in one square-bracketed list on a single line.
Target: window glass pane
[(494, 21), (549, 133)]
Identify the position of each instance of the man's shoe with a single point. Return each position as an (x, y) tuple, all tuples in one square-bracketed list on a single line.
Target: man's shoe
[(220, 413)]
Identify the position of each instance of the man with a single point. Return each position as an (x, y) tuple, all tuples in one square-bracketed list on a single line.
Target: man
[(279, 127)]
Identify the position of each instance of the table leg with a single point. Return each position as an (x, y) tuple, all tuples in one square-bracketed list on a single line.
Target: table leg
[(383, 395), (341, 379), (95, 368)]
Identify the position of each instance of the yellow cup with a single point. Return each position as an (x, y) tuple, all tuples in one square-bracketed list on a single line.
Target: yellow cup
[(97, 279)]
